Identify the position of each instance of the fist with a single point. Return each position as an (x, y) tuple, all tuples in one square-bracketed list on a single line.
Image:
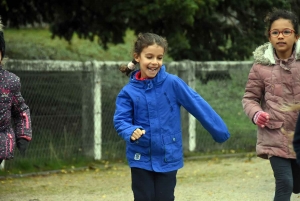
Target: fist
[(22, 145), (261, 118), (137, 134)]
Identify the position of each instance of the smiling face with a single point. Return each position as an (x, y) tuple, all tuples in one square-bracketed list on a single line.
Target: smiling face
[(283, 44), (150, 59)]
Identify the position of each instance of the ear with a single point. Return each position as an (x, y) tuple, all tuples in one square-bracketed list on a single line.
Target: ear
[(136, 57)]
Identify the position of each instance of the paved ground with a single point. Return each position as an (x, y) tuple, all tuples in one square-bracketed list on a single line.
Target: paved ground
[(232, 179)]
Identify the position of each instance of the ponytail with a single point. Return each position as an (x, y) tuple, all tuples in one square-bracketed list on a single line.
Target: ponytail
[(127, 69)]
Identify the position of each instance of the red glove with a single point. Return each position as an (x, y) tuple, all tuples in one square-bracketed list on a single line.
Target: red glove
[(261, 118)]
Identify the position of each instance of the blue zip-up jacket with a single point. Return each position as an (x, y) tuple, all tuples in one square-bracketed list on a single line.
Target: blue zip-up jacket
[(154, 105)]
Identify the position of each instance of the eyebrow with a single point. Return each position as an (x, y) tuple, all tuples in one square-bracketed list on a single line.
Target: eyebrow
[(282, 29), (153, 54)]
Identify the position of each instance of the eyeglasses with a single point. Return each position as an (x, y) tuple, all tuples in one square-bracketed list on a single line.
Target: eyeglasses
[(285, 32)]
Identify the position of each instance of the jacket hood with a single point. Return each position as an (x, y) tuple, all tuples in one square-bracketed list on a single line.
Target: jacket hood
[(264, 53), (158, 79)]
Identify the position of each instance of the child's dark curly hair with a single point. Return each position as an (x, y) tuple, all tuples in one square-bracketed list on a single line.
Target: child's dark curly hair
[(281, 14)]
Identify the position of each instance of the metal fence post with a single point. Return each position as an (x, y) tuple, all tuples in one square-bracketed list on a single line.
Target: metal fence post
[(97, 111), (192, 119), (186, 71)]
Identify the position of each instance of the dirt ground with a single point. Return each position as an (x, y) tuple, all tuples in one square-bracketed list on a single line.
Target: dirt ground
[(231, 179)]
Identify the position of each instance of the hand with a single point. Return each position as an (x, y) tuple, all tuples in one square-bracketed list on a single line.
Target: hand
[(22, 145), (137, 134), (261, 118)]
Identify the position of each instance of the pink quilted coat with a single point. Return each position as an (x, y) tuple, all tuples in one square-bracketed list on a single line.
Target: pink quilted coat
[(271, 84)]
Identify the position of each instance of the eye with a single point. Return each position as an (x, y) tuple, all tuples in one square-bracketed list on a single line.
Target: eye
[(287, 32), (274, 32)]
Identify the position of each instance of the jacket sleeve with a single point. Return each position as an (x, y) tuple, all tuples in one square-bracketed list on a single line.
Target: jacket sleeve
[(21, 114), (202, 111), (123, 117), (296, 141), (253, 93)]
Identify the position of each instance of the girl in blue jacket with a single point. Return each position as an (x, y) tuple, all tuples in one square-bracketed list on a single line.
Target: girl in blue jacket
[(148, 118)]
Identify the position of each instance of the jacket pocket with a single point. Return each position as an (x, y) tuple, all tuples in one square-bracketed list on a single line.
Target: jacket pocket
[(274, 124), (10, 146), (7, 143), (139, 150), (172, 147), (272, 136)]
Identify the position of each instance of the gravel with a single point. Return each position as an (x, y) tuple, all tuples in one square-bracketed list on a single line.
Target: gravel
[(227, 179)]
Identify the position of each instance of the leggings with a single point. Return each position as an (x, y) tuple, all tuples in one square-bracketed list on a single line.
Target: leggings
[(287, 177), (153, 186)]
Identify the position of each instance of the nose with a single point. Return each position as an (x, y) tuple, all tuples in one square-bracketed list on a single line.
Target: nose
[(155, 61), (280, 33)]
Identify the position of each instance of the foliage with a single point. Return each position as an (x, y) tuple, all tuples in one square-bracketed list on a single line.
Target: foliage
[(32, 44), (196, 29), (36, 44)]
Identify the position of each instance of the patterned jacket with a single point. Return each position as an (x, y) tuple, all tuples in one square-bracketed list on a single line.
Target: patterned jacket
[(272, 83), (14, 114)]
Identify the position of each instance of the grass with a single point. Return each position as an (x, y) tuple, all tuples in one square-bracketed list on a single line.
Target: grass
[(37, 44)]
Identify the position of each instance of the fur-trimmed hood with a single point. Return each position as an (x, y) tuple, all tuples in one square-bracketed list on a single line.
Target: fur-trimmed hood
[(264, 54)]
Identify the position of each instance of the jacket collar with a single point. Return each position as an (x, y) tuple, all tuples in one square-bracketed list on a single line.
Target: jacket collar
[(159, 78), (264, 54)]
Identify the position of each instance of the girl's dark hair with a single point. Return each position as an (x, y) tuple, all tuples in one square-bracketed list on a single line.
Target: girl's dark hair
[(144, 40), (281, 14)]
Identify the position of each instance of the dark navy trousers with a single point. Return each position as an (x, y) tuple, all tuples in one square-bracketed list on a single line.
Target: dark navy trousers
[(287, 177), (153, 186)]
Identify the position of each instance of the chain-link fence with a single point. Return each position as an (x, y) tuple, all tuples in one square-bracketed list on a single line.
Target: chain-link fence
[(72, 106)]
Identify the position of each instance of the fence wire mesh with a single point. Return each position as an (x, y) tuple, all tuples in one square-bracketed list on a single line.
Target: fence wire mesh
[(62, 112)]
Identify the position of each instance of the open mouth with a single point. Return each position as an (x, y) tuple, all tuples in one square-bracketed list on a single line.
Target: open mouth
[(152, 69)]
